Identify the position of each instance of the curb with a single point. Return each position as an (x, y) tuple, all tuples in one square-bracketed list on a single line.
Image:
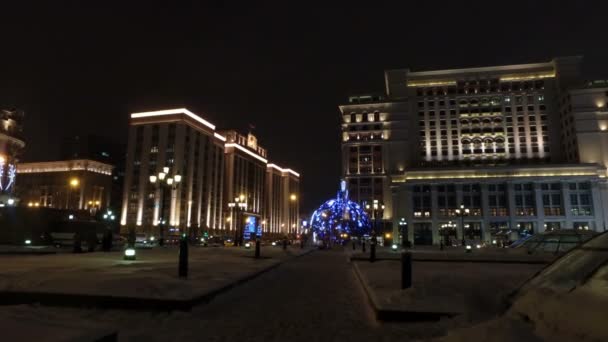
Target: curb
[(481, 261), (389, 315), (129, 303)]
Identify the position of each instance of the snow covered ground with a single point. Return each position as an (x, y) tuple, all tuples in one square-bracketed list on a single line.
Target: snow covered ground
[(475, 289), (153, 275), (312, 298)]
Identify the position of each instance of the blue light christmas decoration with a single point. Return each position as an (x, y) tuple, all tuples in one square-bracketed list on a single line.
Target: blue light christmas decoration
[(339, 216)]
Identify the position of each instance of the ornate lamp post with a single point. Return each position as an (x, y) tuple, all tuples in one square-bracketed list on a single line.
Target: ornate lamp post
[(241, 205), (462, 212), (161, 181)]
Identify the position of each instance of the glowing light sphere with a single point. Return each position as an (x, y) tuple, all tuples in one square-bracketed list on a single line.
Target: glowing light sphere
[(340, 217)]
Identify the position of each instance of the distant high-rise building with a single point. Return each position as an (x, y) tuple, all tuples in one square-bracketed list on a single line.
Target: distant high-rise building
[(515, 148)]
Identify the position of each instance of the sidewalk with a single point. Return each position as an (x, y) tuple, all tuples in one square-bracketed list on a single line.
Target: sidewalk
[(20, 325), (151, 282)]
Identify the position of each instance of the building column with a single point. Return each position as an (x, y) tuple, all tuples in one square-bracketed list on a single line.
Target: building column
[(397, 210), (434, 214), (512, 207), (599, 211), (567, 205), (459, 222), (485, 213), (539, 207)]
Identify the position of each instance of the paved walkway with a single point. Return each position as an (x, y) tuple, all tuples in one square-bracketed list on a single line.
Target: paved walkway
[(312, 298)]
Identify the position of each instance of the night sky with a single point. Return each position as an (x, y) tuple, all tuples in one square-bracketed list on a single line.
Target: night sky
[(81, 69)]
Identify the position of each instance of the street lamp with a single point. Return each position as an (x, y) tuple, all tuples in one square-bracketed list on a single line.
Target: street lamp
[(377, 210), (160, 181), (404, 233), (462, 212), (73, 185), (241, 205)]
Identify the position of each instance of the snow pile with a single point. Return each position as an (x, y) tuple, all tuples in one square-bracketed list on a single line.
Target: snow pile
[(567, 301)]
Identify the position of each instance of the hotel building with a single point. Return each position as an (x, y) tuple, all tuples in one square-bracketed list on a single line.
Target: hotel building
[(521, 147), (222, 177)]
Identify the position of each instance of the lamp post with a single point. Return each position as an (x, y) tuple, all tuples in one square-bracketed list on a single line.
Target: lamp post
[(73, 185), (241, 205), (462, 212), (160, 181), (377, 209), (404, 232)]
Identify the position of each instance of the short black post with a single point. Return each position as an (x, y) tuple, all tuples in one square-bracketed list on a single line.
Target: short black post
[(372, 252), (77, 243), (257, 248), (406, 270), (354, 247), (363, 246), (183, 257), (441, 244), (301, 244), (285, 244)]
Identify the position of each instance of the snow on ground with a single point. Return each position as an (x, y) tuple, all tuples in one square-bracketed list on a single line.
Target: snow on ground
[(18, 324), (477, 289), (485, 254), (313, 298), (152, 275), (545, 316)]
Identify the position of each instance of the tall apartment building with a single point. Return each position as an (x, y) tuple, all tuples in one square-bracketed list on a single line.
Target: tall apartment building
[(521, 147), (217, 171)]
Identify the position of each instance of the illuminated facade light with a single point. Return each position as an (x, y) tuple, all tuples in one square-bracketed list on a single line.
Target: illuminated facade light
[(255, 155), (174, 112)]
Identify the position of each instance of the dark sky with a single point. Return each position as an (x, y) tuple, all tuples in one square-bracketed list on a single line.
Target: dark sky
[(79, 68)]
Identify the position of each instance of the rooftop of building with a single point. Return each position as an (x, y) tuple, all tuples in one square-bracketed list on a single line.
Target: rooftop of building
[(65, 166)]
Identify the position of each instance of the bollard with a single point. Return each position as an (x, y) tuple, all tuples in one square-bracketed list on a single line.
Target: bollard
[(354, 247), (257, 248), (406, 270), (363, 246), (440, 244), (284, 244), (372, 252), (301, 244), (183, 258), (77, 243)]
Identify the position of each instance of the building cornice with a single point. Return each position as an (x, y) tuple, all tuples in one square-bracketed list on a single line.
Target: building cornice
[(560, 170), (65, 166)]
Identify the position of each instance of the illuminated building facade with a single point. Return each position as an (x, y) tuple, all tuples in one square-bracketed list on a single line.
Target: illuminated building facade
[(11, 145), (282, 200), (245, 171), (222, 178), (78, 184), (520, 147), (189, 146)]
